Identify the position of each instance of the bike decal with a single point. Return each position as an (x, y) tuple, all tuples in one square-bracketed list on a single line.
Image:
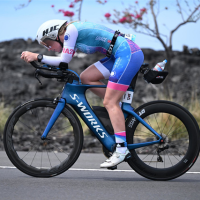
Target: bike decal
[(141, 112), (89, 117), (130, 125), (82, 107), (74, 98)]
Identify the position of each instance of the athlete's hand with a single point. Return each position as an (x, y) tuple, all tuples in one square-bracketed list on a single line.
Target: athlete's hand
[(29, 56)]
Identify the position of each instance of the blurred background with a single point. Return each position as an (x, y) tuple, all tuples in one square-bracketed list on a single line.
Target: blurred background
[(22, 21), (165, 29)]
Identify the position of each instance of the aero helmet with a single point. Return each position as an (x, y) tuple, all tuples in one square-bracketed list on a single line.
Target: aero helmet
[(49, 30)]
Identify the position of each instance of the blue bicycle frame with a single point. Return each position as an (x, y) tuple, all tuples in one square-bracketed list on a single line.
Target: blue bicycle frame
[(74, 95)]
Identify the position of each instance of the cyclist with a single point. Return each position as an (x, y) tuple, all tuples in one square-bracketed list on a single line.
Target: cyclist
[(124, 59)]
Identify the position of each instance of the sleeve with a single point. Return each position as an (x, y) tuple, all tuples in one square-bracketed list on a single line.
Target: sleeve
[(68, 50)]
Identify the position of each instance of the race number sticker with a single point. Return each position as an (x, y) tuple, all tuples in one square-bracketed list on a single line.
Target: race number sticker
[(128, 96)]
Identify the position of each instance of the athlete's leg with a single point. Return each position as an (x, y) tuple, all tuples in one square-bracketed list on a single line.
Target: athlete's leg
[(125, 68), (96, 72), (91, 76), (111, 103)]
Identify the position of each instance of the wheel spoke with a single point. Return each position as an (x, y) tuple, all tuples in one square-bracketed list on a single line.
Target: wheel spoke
[(151, 159), (58, 130), (49, 159), (26, 126), (33, 157), (56, 156), (173, 155), (148, 154), (26, 154), (169, 158), (165, 124), (143, 132), (170, 129), (41, 159), (157, 123)]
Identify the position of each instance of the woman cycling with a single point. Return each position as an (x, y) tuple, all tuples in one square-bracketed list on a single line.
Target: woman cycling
[(124, 59)]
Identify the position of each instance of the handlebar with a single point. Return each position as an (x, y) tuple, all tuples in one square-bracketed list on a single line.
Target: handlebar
[(47, 67), (61, 73)]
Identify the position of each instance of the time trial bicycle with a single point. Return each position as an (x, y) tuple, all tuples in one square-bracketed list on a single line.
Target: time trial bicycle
[(44, 137)]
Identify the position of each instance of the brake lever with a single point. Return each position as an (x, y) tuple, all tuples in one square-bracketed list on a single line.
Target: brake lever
[(37, 75)]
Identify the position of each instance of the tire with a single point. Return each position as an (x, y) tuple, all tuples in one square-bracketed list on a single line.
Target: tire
[(42, 158), (181, 140)]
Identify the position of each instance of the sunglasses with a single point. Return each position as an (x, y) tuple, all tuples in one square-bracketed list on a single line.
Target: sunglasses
[(45, 45)]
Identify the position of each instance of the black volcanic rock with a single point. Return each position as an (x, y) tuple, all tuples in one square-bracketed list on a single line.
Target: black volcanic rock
[(18, 84)]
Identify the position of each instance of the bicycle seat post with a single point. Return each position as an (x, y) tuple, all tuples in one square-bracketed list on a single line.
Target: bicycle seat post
[(133, 82)]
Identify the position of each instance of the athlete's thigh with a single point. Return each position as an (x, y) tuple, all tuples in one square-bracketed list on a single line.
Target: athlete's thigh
[(105, 66), (126, 66), (92, 73)]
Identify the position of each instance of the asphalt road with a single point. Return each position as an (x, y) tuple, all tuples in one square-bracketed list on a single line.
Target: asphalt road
[(86, 181)]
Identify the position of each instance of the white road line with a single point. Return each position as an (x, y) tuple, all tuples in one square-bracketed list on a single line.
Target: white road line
[(97, 170)]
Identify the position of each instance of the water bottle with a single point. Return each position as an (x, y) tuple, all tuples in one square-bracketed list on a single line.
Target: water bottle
[(160, 66)]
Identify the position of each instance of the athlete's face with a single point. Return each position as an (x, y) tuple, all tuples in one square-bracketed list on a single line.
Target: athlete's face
[(52, 45)]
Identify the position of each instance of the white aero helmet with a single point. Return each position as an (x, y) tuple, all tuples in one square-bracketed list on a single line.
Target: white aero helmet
[(49, 30)]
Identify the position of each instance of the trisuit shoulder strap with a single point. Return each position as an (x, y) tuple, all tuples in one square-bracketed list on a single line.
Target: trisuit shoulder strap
[(109, 51)]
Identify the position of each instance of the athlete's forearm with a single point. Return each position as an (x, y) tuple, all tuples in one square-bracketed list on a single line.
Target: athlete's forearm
[(52, 60)]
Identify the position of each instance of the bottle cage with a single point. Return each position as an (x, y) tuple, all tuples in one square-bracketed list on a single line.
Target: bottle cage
[(155, 77)]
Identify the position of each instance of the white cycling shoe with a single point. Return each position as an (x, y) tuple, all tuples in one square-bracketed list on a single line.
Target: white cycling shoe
[(115, 159)]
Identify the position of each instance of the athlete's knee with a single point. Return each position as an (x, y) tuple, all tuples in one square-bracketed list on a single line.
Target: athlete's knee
[(84, 78), (109, 104), (89, 76)]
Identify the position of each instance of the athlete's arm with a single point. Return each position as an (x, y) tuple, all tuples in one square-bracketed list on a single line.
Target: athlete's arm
[(68, 51)]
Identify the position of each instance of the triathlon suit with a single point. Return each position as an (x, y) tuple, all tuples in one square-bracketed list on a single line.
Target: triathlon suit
[(120, 68)]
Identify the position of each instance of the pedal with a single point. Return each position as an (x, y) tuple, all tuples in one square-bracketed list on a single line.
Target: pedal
[(128, 156), (112, 168)]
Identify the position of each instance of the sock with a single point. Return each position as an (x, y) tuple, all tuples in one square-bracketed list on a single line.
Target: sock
[(120, 137), (120, 104)]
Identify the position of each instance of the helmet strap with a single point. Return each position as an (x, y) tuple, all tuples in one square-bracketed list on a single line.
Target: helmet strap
[(59, 41)]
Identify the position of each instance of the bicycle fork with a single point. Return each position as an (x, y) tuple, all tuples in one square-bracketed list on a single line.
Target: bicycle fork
[(60, 106)]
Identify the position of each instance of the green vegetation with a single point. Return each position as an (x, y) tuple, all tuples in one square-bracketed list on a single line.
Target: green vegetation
[(163, 119), (163, 123), (4, 114), (194, 107)]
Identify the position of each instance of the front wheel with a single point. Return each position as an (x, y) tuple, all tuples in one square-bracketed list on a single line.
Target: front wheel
[(180, 132), (37, 157)]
